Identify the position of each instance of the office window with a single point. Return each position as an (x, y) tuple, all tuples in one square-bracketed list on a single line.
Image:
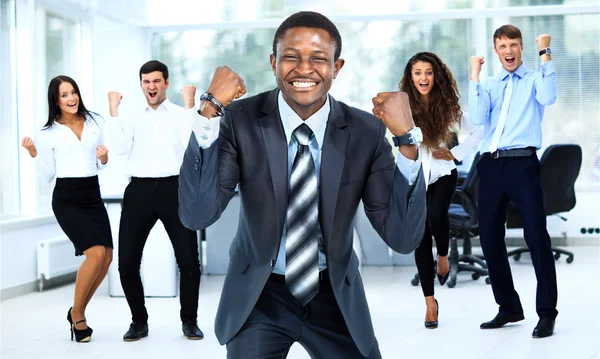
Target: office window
[(376, 51), (58, 48), (8, 139), (194, 62)]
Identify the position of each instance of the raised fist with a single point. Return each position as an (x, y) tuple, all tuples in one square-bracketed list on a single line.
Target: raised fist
[(102, 154), (475, 62), (226, 85), (393, 108), (114, 100), (187, 93), (28, 144), (543, 41)]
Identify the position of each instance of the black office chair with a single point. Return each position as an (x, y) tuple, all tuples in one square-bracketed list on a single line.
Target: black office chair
[(559, 168), (464, 225)]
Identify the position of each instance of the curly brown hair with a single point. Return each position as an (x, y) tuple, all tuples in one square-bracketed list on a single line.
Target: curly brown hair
[(443, 112)]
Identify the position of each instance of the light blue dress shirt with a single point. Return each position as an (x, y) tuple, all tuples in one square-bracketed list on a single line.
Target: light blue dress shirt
[(532, 91), (318, 123)]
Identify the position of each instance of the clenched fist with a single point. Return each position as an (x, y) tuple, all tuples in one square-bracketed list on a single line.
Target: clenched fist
[(225, 86), (114, 100), (475, 63), (187, 93), (543, 41), (102, 154), (28, 144), (393, 108)]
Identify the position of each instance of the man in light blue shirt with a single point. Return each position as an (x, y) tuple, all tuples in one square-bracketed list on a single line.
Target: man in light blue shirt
[(510, 106)]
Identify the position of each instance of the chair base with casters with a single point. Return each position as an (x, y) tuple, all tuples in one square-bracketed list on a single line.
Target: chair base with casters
[(516, 253), (466, 262)]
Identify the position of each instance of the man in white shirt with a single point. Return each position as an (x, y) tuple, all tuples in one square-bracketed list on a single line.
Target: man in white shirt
[(155, 140)]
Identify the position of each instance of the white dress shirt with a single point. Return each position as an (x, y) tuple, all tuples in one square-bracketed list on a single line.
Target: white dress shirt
[(61, 154), (433, 168), (155, 139)]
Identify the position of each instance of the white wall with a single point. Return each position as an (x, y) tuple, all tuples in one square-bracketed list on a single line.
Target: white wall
[(18, 257), (118, 52)]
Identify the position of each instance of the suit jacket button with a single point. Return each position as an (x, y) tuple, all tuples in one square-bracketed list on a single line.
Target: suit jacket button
[(272, 263), (196, 167), (196, 159)]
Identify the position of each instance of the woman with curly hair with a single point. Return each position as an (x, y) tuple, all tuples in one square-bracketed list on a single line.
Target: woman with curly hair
[(433, 96)]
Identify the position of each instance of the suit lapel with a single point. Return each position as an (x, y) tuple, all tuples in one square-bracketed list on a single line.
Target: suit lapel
[(277, 154), (333, 158)]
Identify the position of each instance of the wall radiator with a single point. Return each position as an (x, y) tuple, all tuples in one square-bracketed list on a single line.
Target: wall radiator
[(55, 257)]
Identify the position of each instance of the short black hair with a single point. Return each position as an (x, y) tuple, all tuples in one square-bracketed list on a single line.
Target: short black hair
[(154, 65), (309, 19)]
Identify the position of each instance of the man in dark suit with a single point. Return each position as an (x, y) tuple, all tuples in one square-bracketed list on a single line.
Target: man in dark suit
[(302, 161)]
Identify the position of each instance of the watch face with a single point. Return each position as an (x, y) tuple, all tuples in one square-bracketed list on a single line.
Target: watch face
[(417, 135)]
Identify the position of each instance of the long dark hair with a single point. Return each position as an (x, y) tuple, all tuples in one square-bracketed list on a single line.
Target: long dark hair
[(443, 112), (53, 108)]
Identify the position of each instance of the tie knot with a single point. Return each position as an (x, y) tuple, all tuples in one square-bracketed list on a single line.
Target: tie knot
[(303, 134)]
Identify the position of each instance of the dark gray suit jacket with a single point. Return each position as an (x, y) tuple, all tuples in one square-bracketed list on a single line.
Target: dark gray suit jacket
[(357, 163)]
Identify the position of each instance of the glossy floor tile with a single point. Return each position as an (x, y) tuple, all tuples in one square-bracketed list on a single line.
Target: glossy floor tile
[(34, 325)]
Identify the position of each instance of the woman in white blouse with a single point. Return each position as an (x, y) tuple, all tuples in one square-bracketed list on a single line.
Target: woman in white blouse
[(433, 96), (70, 148)]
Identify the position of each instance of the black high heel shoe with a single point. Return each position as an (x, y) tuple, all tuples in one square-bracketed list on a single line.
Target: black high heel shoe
[(434, 324), (443, 278), (81, 335)]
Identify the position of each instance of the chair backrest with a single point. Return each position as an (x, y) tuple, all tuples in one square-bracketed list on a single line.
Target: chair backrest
[(559, 167), (471, 184)]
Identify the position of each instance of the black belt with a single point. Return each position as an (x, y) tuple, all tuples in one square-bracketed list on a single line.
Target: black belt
[(323, 275), (516, 152), (155, 179)]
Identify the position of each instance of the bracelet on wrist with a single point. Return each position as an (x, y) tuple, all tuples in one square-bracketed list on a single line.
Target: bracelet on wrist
[(209, 97)]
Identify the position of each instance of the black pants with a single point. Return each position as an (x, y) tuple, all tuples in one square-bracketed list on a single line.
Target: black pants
[(515, 179), (439, 195), (278, 320), (147, 200)]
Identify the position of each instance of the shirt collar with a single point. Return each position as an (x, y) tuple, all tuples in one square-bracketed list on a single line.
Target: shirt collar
[(520, 72), (163, 107), (290, 120)]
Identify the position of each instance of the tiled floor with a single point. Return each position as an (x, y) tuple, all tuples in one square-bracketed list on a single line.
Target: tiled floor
[(34, 325)]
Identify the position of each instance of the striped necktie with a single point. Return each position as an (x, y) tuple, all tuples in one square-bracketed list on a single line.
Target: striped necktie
[(302, 222)]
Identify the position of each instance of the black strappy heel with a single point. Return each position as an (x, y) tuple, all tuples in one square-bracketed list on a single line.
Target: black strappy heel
[(81, 335)]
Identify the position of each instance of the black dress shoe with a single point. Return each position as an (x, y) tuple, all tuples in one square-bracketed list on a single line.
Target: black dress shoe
[(191, 331), (544, 328), (501, 319), (136, 332)]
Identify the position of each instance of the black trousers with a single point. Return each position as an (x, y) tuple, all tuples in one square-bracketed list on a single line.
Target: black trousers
[(515, 179), (439, 195), (278, 320), (147, 200)]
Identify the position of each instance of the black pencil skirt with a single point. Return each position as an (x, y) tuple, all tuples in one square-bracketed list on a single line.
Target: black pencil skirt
[(80, 212)]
